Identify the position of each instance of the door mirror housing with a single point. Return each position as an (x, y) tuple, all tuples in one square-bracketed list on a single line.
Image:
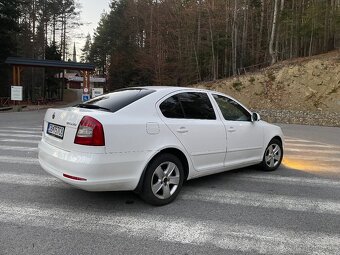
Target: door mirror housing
[(255, 117)]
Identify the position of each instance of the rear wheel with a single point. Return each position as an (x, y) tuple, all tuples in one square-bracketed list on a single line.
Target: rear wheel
[(272, 156), (163, 180)]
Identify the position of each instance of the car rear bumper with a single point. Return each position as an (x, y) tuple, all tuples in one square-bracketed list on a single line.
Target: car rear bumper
[(103, 172)]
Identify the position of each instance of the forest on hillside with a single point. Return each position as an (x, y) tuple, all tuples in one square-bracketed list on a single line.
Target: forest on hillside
[(167, 42), (180, 42)]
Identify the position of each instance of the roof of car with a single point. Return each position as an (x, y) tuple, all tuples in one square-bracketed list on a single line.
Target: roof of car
[(169, 88)]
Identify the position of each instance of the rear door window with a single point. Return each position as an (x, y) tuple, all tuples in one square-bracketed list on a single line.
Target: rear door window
[(188, 105)]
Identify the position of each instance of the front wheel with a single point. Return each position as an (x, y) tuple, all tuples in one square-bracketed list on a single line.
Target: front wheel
[(272, 156), (163, 180)]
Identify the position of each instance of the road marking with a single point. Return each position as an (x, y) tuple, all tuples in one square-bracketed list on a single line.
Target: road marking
[(262, 200), (312, 145), (23, 128), (17, 148), (288, 180), (302, 142), (19, 160), (224, 235), (298, 140), (19, 135), (313, 158), (32, 180), (19, 141), (21, 131), (312, 151)]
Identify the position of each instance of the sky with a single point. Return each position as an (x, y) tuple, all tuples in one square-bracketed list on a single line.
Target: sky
[(90, 13)]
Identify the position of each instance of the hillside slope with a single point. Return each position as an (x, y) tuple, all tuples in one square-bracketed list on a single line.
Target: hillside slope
[(304, 86)]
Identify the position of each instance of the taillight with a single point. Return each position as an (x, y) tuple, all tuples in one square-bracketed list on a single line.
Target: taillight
[(90, 132)]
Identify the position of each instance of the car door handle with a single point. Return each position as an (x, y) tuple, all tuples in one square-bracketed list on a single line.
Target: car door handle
[(231, 130), (182, 130)]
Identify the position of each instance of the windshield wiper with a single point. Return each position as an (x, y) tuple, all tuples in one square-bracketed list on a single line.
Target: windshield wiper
[(92, 106)]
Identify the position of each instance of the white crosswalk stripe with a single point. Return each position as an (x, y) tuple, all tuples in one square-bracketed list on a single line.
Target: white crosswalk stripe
[(23, 128), (18, 148), (19, 160), (20, 131), (276, 179), (19, 135), (20, 141)]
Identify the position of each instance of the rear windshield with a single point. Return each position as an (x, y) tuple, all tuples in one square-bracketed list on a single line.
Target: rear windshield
[(116, 100)]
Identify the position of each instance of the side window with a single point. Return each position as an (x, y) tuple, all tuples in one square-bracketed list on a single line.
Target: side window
[(188, 105), (231, 110), (171, 108)]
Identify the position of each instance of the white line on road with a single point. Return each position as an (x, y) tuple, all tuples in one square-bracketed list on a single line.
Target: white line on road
[(290, 145), (288, 180), (262, 200), (17, 148), (32, 180), (21, 131), (224, 235), (313, 151), (19, 135), (19, 141), (22, 128), (19, 160), (312, 158), (298, 140)]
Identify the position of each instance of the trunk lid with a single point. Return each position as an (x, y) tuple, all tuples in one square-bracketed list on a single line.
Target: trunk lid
[(61, 125)]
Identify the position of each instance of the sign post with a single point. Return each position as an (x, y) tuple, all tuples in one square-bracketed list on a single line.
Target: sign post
[(86, 87)]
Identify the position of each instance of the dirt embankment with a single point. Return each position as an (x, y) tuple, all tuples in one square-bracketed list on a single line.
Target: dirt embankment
[(302, 91)]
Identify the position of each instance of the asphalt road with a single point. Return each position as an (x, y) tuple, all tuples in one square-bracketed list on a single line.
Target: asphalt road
[(295, 209)]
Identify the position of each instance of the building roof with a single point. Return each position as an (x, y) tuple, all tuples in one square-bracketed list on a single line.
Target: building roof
[(49, 63)]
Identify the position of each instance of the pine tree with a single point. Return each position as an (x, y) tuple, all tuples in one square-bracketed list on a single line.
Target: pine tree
[(85, 56)]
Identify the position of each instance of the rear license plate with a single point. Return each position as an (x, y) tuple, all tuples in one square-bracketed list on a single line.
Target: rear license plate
[(55, 130)]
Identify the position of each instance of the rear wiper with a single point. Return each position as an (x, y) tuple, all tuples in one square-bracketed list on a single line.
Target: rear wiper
[(92, 106)]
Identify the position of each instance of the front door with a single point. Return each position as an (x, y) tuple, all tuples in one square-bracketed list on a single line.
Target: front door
[(244, 137)]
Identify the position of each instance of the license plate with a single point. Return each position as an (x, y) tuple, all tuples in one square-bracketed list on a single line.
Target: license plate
[(55, 130)]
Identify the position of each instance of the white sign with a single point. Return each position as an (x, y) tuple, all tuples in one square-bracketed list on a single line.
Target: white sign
[(97, 92), (86, 90), (16, 93)]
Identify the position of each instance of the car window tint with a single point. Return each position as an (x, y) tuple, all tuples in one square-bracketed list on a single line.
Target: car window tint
[(231, 110), (119, 98), (189, 105), (196, 105), (171, 108)]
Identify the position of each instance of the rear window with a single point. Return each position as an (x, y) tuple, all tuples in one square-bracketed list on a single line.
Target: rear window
[(117, 100)]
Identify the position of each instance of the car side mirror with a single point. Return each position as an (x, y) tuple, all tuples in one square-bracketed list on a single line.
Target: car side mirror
[(255, 117)]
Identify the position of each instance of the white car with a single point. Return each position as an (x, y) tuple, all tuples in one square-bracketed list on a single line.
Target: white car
[(152, 139)]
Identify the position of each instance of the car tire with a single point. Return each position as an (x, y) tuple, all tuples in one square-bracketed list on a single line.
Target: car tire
[(272, 155), (163, 180)]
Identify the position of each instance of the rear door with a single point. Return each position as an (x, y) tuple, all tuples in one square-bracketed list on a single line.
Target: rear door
[(192, 119)]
